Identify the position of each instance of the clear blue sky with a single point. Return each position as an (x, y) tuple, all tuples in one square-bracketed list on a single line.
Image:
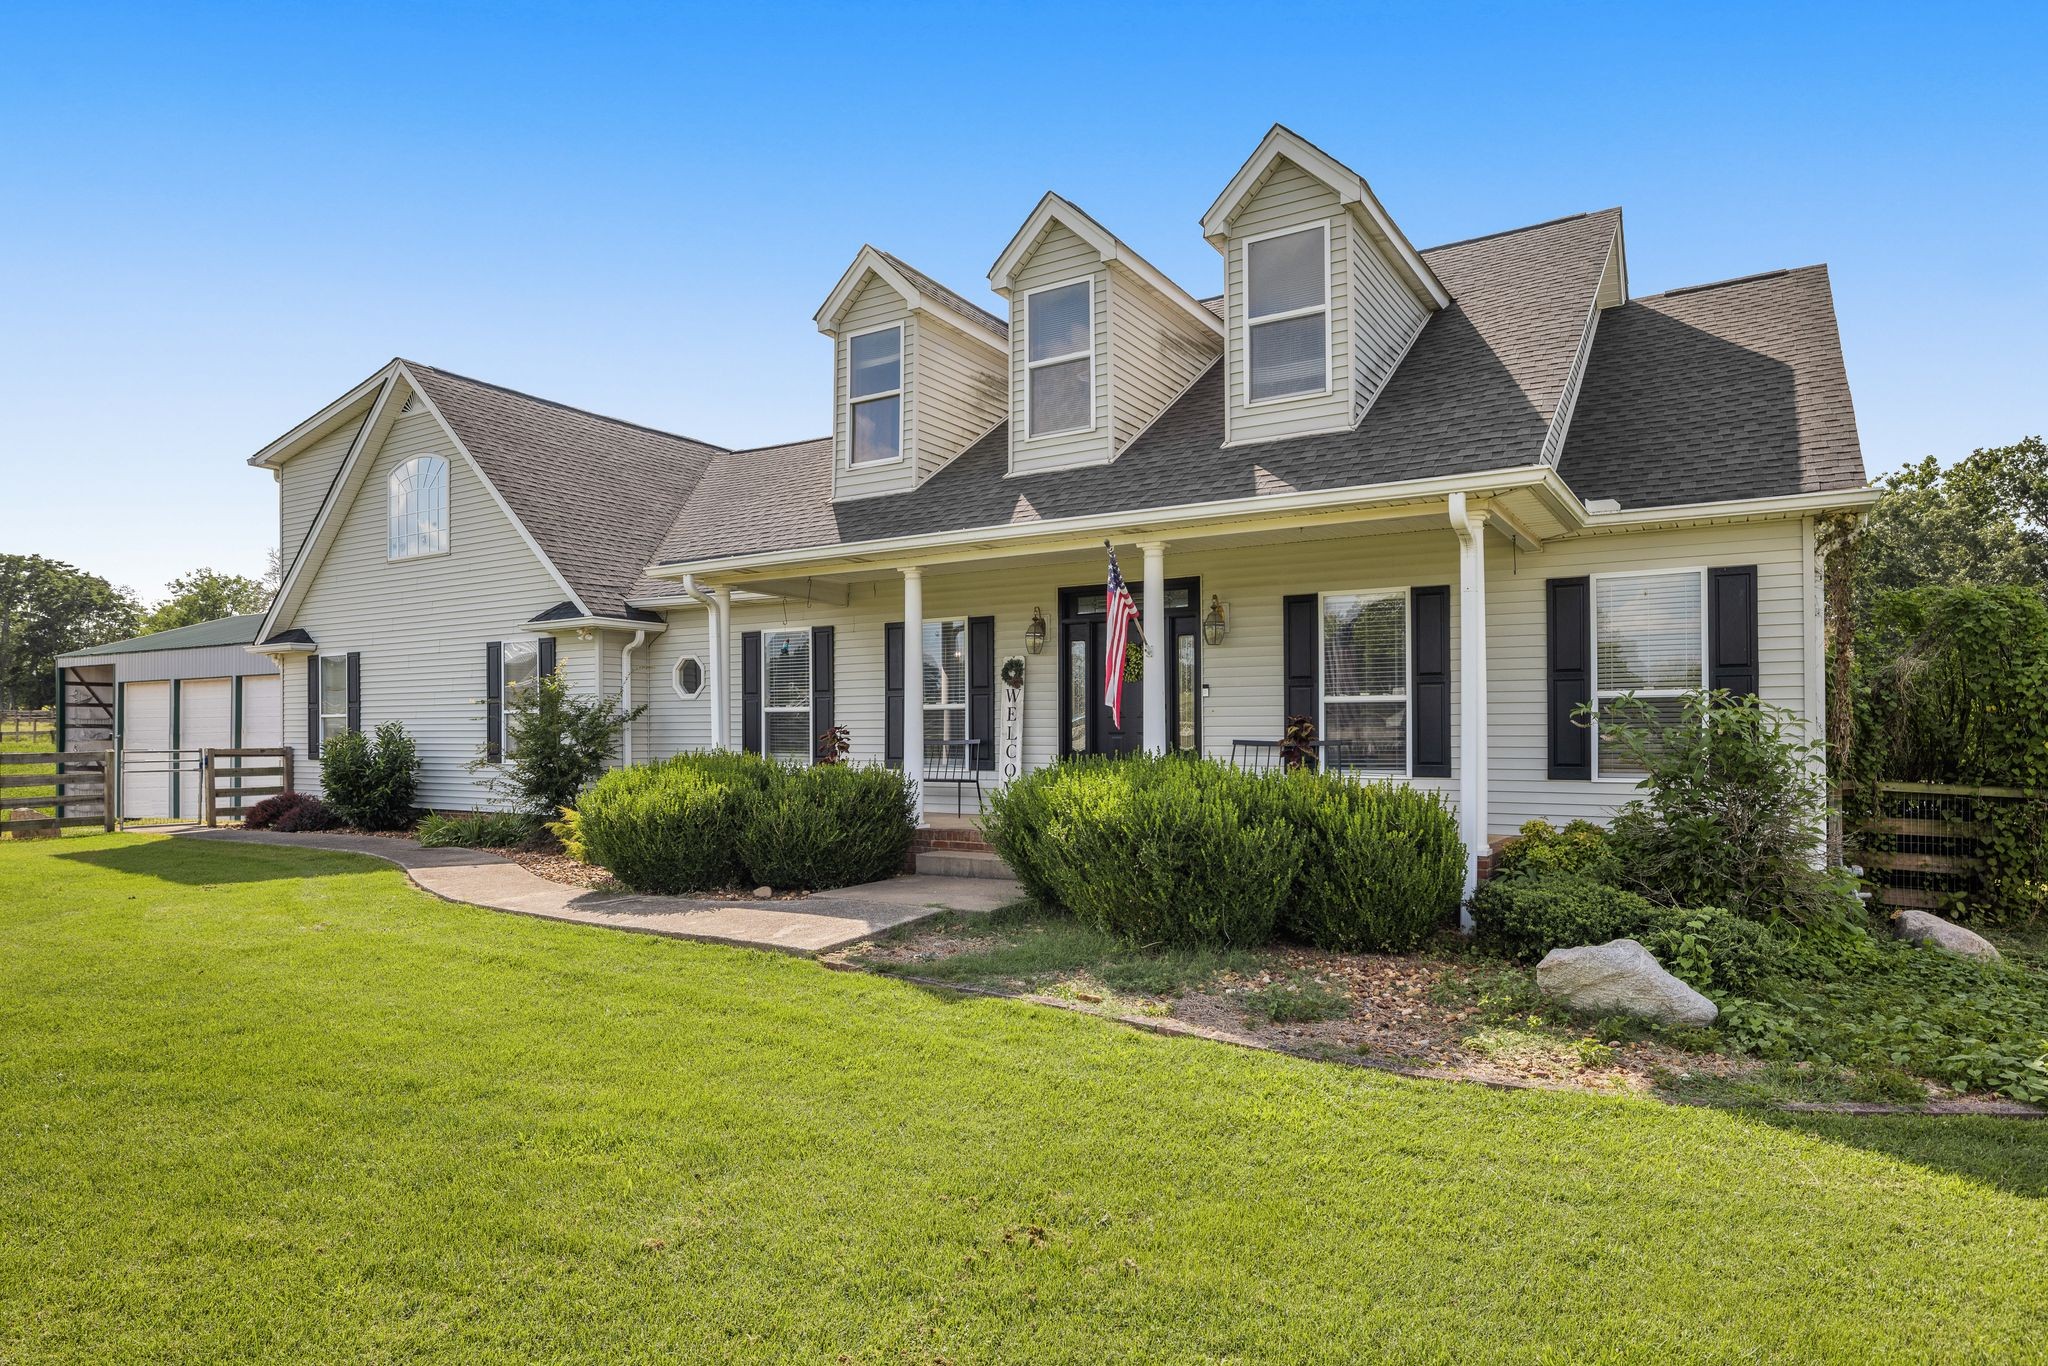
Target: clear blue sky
[(215, 219)]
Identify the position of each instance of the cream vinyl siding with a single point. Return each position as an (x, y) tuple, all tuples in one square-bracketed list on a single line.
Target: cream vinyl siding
[(1516, 678), (1059, 257), (1156, 352), (876, 305), (421, 625), (960, 393), (303, 481), (1385, 319), (1289, 198)]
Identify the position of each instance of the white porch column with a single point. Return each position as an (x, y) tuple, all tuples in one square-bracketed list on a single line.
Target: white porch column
[(913, 685), (1470, 526), (721, 662), (1158, 665)]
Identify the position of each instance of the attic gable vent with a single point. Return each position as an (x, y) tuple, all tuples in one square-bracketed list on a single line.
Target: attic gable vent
[(410, 399)]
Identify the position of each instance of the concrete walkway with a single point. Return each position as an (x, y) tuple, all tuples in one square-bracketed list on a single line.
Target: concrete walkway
[(815, 924)]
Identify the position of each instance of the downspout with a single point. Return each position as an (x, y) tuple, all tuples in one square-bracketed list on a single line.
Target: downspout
[(714, 634), (626, 694)]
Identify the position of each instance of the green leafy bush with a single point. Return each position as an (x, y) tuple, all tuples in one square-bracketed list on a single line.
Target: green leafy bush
[(1172, 850), (1526, 915), (1732, 811), (567, 827), (829, 825), (370, 782), (474, 830), (702, 821), (1382, 865), (558, 743), (1581, 847), (672, 826)]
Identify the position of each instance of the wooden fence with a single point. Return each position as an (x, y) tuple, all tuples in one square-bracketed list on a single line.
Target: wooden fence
[(222, 789), (1919, 849), (91, 782)]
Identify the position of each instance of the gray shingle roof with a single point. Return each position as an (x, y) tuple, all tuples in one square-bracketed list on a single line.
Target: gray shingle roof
[(944, 297), (220, 631), (598, 494), (1734, 390), (1476, 392)]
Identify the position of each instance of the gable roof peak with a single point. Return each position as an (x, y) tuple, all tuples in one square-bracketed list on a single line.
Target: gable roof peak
[(1054, 208), (1353, 193), (920, 294)]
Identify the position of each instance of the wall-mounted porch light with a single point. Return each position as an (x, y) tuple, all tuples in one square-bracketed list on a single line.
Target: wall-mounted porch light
[(1034, 634), (1214, 627)]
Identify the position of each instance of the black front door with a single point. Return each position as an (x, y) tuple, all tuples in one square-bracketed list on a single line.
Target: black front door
[(1085, 723)]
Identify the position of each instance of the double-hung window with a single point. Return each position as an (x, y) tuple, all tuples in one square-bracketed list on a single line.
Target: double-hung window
[(945, 690), (786, 703), (874, 390), (1059, 338), (418, 495), (1649, 642), (1287, 313), (520, 670), (1364, 725), (333, 696)]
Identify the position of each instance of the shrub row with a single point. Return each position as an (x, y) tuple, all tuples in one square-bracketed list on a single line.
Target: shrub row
[(702, 821), (1184, 851), (1525, 914)]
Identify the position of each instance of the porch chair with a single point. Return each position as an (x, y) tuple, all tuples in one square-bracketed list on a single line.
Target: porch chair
[(954, 764)]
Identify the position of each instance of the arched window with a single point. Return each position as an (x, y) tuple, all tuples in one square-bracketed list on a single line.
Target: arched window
[(419, 508)]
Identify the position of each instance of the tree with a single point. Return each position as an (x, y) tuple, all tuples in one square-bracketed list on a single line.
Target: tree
[(48, 608), (206, 595), (1982, 520)]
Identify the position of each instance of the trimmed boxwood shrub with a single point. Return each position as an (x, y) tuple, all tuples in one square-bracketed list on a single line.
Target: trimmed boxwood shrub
[(1184, 851), (370, 781), (830, 825), (1526, 915), (1382, 866), (702, 821)]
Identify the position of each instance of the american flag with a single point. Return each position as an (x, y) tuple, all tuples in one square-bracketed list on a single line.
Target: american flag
[(1123, 614)]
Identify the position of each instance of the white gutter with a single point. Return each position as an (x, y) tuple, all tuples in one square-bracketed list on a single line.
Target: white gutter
[(626, 693), (715, 634)]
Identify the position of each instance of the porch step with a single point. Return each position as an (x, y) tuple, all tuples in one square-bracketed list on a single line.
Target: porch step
[(961, 863)]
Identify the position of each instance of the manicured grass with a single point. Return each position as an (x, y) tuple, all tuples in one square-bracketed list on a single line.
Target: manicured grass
[(28, 742), (265, 1102)]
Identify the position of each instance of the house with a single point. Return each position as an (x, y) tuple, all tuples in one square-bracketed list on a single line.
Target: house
[(1433, 499)]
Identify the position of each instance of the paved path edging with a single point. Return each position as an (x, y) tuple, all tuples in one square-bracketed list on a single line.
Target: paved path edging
[(816, 924)]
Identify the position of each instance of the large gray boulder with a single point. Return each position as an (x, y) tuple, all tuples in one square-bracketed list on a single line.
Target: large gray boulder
[(1621, 978), (1921, 927)]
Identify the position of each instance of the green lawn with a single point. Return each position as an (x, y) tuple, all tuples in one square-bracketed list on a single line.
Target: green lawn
[(28, 742), (268, 1103)]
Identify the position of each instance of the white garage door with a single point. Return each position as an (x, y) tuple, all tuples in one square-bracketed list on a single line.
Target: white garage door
[(262, 712), (146, 736), (206, 720)]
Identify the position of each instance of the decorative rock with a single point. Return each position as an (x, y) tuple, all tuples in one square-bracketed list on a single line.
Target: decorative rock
[(1621, 978), (1920, 927), (764, 892), (23, 832)]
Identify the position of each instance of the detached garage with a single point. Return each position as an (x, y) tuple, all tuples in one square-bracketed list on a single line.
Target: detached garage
[(163, 700)]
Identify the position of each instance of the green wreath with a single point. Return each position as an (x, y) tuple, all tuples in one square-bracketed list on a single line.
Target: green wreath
[(1134, 661)]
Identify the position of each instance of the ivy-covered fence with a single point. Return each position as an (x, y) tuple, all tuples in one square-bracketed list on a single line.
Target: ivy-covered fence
[(1946, 784)]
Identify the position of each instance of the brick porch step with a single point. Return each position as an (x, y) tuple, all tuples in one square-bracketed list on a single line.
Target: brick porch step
[(961, 863)]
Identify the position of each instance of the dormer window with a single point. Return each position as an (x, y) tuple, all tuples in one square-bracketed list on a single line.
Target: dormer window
[(1059, 332), (875, 396), (1287, 307)]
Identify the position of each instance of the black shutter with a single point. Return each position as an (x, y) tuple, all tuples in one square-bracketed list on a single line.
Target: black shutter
[(750, 692), (1430, 611), (981, 690), (1570, 654), (547, 655), (824, 708), (355, 692), (494, 702), (1731, 630), (892, 694), (312, 706), (1298, 646)]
